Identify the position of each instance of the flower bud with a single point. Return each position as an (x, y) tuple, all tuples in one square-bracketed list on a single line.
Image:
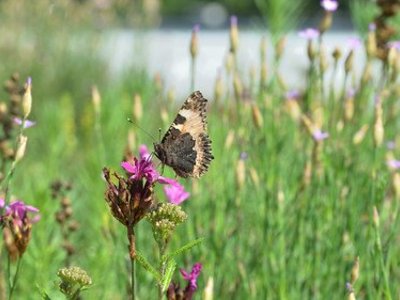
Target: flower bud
[(378, 126), (96, 99), (194, 43), (230, 137), (240, 173), (21, 148), (234, 34), (237, 87), (326, 22), (280, 47), (257, 116), (371, 44), (375, 217), (209, 289), (27, 99), (348, 64), (360, 134), (218, 88), (137, 107), (355, 271)]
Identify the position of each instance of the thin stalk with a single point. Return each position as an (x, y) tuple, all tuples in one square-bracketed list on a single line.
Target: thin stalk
[(382, 264), (132, 256), (14, 281), (162, 249), (192, 73)]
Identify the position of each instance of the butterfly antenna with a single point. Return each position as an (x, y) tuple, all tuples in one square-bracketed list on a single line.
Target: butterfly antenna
[(159, 134), (148, 134)]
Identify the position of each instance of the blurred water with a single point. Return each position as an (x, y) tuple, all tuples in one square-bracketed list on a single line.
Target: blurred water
[(167, 51)]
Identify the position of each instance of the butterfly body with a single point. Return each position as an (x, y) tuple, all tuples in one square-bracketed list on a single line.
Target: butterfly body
[(186, 146)]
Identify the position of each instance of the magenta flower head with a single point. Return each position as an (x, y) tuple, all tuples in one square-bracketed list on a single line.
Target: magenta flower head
[(309, 33), (140, 169), (329, 5), (17, 221), (319, 135), (192, 276), (174, 191)]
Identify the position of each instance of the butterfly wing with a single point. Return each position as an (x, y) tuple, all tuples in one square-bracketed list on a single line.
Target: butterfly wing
[(186, 146)]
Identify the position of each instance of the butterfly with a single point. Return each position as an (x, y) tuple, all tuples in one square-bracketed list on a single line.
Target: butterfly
[(186, 147)]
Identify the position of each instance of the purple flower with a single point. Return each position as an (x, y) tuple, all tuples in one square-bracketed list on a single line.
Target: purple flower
[(329, 5), (174, 191), (354, 43), (351, 92), (243, 155), (143, 167), (292, 95), (192, 276), (391, 145), (144, 152), (18, 210), (372, 27), (140, 169), (27, 123), (17, 223), (2, 202), (394, 44), (309, 33), (319, 135), (234, 21), (393, 164), (196, 28)]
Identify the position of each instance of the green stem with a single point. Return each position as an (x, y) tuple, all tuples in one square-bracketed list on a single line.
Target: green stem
[(132, 255), (192, 73), (14, 281), (382, 264)]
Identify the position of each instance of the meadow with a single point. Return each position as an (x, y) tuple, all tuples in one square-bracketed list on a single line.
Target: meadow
[(300, 202)]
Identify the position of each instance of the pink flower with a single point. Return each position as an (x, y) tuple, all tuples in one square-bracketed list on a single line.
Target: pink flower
[(140, 169), (309, 33), (27, 123), (143, 168), (292, 95), (393, 164), (18, 210), (329, 5), (354, 43), (394, 44), (319, 135), (192, 276), (174, 191)]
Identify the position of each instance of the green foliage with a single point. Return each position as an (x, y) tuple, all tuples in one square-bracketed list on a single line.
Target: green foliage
[(281, 16), (363, 13), (270, 230)]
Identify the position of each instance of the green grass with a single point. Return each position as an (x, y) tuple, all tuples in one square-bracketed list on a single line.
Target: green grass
[(272, 239)]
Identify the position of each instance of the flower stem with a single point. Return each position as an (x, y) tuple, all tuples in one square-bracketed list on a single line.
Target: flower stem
[(192, 73), (14, 281), (132, 255)]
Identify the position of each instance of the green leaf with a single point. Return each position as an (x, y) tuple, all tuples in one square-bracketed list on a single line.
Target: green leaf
[(169, 272), (147, 266), (43, 293), (182, 249)]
